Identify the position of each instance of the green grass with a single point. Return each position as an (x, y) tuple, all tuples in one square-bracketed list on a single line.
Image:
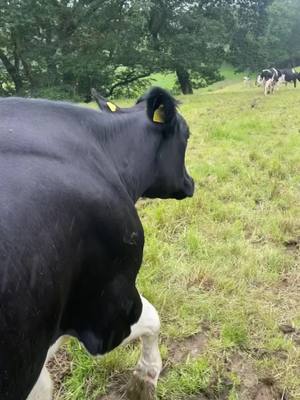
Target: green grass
[(166, 81), (218, 263)]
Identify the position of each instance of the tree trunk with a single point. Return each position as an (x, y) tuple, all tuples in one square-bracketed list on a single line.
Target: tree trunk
[(184, 80), (28, 74), (13, 73), (52, 73)]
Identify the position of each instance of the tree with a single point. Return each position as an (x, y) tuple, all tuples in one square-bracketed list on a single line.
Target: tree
[(282, 42), (189, 39), (249, 26), (69, 46)]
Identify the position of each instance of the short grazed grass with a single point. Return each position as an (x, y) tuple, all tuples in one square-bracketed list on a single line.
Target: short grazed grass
[(224, 264)]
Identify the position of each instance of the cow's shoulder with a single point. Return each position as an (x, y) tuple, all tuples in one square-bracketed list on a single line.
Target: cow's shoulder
[(115, 213)]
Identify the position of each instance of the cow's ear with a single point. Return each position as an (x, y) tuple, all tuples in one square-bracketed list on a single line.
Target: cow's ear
[(102, 102), (161, 107)]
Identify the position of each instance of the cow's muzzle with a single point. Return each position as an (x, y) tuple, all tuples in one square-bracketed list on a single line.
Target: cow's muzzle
[(189, 186), (187, 190)]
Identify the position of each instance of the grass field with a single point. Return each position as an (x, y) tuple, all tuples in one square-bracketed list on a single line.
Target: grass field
[(168, 80), (223, 267)]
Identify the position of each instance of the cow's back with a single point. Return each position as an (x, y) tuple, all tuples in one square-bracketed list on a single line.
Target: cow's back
[(50, 173)]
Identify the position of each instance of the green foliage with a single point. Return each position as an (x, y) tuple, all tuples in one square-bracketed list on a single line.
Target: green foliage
[(281, 42), (268, 38), (56, 93), (111, 45)]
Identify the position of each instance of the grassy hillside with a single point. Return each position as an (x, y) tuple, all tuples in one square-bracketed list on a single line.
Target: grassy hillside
[(223, 267), (168, 81)]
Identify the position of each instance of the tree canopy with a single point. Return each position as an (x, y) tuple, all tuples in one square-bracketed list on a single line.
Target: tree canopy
[(62, 48)]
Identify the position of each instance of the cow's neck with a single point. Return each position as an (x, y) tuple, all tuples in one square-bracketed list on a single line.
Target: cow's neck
[(133, 149)]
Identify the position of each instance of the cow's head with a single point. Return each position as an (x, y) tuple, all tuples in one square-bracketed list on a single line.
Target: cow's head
[(170, 179)]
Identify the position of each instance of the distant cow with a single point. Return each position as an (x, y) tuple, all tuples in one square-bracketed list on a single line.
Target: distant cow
[(267, 74), (279, 75), (290, 75), (71, 241), (282, 81), (270, 86), (247, 81)]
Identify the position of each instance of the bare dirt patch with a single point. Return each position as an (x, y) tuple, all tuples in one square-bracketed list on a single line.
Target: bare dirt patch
[(60, 367), (203, 282), (127, 386), (251, 386), (188, 348), (291, 332), (292, 244), (117, 387), (179, 351)]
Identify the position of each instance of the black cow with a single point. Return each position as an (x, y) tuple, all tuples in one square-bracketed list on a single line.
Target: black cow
[(71, 241)]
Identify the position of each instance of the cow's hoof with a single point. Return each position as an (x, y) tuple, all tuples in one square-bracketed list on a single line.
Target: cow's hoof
[(140, 388)]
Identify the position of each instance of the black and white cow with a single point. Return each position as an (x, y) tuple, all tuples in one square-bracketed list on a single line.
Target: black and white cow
[(290, 75), (285, 75), (71, 241), (267, 74)]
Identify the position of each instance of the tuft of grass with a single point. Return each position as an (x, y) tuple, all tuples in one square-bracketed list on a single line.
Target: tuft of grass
[(186, 380)]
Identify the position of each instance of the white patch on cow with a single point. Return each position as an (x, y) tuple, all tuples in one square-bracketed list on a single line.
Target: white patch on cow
[(260, 81), (43, 389), (147, 329), (147, 369), (275, 73), (281, 81)]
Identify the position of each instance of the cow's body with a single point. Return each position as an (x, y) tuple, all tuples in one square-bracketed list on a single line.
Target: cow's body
[(290, 75), (71, 242)]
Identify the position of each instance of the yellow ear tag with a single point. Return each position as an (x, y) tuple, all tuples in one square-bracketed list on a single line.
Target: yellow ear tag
[(111, 106), (159, 115)]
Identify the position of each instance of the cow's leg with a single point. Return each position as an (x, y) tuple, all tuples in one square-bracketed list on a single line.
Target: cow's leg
[(43, 389), (146, 373)]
